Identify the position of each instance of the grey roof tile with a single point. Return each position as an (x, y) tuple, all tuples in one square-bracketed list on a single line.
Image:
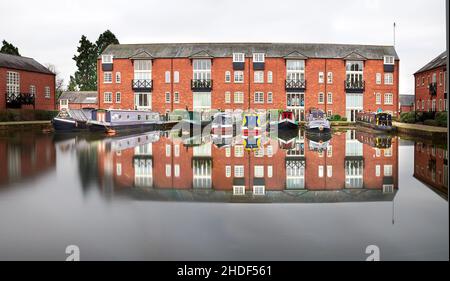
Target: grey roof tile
[(22, 63), (80, 96), (436, 62)]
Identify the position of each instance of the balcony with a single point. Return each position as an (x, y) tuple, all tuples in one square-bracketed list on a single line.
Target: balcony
[(201, 85), (142, 85), (16, 100), (295, 85), (356, 86), (432, 87)]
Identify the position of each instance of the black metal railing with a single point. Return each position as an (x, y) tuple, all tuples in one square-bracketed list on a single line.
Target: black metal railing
[(201, 84), (16, 100), (142, 85), (354, 86), (432, 87), (295, 85)]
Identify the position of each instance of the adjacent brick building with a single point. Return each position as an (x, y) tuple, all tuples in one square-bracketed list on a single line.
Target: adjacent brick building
[(339, 79), (78, 100), (25, 83), (406, 103), (431, 85)]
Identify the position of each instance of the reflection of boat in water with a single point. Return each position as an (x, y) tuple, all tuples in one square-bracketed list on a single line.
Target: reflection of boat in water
[(317, 121), (318, 141), (222, 124), (72, 120), (131, 141), (374, 140), (251, 124), (195, 119), (123, 120), (381, 121)]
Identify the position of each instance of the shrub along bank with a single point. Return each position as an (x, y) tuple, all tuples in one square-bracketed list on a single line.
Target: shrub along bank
[(10, 115)]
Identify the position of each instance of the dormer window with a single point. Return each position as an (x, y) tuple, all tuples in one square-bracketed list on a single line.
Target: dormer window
[(238, 57), (107, 58), (389, 59), (258, 57)]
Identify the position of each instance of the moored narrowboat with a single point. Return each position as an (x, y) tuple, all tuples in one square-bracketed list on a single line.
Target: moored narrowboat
[(222, 124), (381, 121), (72, 120), (123, 120), (286, 121), (317, 121)]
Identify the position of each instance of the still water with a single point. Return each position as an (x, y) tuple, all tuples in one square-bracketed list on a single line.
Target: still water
[(164, 196)]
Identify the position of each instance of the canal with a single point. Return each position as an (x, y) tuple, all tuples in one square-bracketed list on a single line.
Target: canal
[(168, 196)]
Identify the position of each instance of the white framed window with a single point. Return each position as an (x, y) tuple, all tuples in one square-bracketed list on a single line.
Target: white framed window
[(239, 76), (387, 152), (440, 105), (378, 98), (388, 98), (433, 105), (238, 97), (142, 70), (258, 57), (238, 151), (269, 77), (259, 97), (295, 70), (388, 79), (239, 171), (321, 98), (176, 150), (13, 82), (168, 150), (330, 98), (321, 78), (176, 77), (238, 57), (329, 113), (167, 99), (227, 171), (176, 170), (329, 171), (377, 152), (389, 59), (107, 77), (176, 97), (434, 77), (259, 190), (423, 80), (227, 77), (258, 76), (202, 69), (227, 97), (228, 151), (118, 97), (330, 77), (388, 188), (378, 78), (107, 97), (118, 169), (387, 170), (167, 77), (107, 58), (118, 78), (259, 171), (269, 171), (320, 171), (269, 97), (423, 104), (440, 78), (269, 151), (33, 90), (238, 190), (377, 170), (168, 170)]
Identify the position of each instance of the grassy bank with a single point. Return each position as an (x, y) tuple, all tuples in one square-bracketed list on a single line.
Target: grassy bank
[(14, 115)]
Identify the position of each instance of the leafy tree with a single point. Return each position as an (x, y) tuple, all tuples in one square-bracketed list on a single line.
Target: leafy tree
[(72, 84), (105, 39), (9, 48), (86, 61)]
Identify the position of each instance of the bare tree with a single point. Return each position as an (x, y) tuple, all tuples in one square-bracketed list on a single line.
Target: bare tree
[(59, 83)]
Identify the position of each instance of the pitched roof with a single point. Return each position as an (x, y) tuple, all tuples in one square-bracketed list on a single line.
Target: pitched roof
[(436, 62), (406, 99), (22, 63), (80, 96), (310, 50)]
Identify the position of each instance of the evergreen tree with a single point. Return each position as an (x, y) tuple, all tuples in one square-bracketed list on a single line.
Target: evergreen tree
[(9, 48), (86, 61), (105, 39), (72, 84)]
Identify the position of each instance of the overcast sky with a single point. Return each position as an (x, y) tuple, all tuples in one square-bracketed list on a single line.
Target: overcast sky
[(49, 31)]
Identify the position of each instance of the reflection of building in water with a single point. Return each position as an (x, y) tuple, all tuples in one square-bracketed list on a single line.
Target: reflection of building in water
[(168, 163), (431, 167), (22, 158)]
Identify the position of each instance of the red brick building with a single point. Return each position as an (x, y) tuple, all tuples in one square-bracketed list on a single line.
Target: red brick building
[(25, 83), (431, 85), (406, 103), (340, 79), (78, 100)]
